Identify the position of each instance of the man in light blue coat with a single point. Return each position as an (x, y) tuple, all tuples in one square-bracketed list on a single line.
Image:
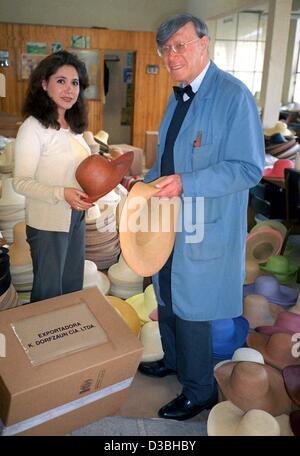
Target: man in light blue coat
[(211, 151)]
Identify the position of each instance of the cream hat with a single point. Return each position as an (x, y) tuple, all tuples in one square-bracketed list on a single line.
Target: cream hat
[(278, 226), (101, 137), (226, 419), (252, 271), (127, 313), (279, 127), (19, 251), (257, 311), (148, 228), (296, 307), (150, 338), (243, 354), (95, 278), (8, 196), (121, 272)]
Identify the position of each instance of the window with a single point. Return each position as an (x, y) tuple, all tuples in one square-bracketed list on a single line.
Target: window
[(240, 46)]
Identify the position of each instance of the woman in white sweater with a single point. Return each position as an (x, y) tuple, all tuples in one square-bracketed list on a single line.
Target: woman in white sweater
[(49, 147)]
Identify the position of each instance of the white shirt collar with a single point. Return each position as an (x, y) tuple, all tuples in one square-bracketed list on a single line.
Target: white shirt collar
[(196, 83)]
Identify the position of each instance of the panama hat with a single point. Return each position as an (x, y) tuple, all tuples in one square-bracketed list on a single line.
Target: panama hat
[(277, 172), (280, 267), (269, 287), (276, 349), (8, 195), (278, 226), (144, 303), (95, 278), (227, 335), (19, 251), (226, 419), (252, 271), (243, 354), (253, 386), (263, 243), (151, 341), (147, 246), (286, 322), (279, 127), (291, 377), (296, 307), (257, 310), (97, 176), (127, 313)]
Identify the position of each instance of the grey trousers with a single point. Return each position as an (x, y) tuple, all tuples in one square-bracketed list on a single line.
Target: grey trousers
[(58, 259)]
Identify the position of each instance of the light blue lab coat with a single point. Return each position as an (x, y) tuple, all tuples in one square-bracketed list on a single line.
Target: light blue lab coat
[(207, 276)]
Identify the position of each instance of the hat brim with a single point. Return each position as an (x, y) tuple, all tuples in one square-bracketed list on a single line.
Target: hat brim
[(146, 251), (286, 298)]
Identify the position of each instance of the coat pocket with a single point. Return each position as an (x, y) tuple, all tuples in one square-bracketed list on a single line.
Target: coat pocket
[(212, 245), (202, 156)]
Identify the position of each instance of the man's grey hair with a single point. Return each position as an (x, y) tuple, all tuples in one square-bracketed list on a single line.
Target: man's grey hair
[(173, 24)]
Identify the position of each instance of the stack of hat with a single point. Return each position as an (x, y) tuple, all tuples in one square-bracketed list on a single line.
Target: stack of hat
[(89, 139), (8, 295), (21, 263), (101, 138), (7, 158), (138, 164), (151, 341), (124, 281), (94, 278), (102, 239), (12, 209), (280, 142)]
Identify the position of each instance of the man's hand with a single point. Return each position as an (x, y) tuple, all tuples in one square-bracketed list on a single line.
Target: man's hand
[(170, 186)]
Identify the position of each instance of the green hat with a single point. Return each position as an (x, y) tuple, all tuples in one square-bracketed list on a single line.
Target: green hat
[(280, 267)]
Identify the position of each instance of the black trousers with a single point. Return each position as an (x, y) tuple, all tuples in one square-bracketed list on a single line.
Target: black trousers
[(58, 259)]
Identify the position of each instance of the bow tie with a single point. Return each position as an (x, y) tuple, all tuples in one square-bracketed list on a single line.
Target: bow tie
[(179, 91)]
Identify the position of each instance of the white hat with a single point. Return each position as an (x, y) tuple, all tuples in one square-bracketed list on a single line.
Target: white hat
[(19, 251), (243, 354), (95, 278), (150, 338), (8, 196)]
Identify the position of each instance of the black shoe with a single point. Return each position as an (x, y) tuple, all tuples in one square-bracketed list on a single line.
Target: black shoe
[(182, 408), (155, 369)]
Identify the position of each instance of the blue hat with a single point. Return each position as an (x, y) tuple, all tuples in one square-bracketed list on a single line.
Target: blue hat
[(227, 335)]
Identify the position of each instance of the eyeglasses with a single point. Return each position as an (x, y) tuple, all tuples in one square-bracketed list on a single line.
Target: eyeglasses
[(177, 48)]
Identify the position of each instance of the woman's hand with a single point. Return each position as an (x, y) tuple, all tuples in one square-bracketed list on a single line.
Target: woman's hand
[(75, 198)]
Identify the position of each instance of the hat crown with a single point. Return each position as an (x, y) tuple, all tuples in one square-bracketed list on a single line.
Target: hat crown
[(288, 322), (266, 285), (258, 422), (277, 263), (282, 163), (248, 354), (251, 377)]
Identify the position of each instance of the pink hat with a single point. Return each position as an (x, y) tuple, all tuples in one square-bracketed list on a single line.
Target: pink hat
[(263, 243), (286, 322), (277, 172), (291, 377)]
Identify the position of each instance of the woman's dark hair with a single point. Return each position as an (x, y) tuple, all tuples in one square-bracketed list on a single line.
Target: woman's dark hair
[(39, 105)]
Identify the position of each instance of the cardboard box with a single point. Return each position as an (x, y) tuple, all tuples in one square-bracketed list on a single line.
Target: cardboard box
[(69, 361)]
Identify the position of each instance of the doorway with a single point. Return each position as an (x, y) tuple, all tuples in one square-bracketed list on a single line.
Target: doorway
[(119, 89)]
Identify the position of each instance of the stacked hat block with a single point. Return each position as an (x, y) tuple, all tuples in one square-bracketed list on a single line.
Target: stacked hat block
[(8, 295), (280, 144), (21, 263), (12, 208)]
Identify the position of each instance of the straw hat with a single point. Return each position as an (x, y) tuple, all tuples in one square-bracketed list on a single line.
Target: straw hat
[(269, 287), (95, 278), (286, 322), (121, 272), (101, 137), (226, 419), (92, 214), (97, 176), (243, 354), (150, 338), (257, 310), (296, 307), (144, 303), (276, 349), (19, 251), (277, 172), (147, 228), (89, 139), (252, 271), (128, 314), (263, 243), (278, 226), (279, 127), (280, 267), (253, 386), (291, 377)]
